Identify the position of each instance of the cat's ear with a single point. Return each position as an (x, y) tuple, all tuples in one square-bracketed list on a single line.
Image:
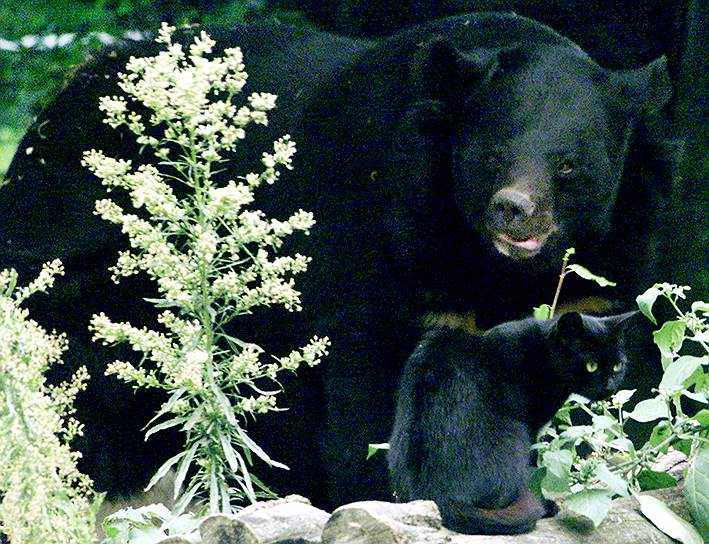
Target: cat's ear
[(621, 322), (570, 325)]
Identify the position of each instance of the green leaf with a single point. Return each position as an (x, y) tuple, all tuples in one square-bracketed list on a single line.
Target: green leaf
[(542, 312), (614, 482), (696, 489), (164, 469), (554, 487), (255, 448), (165, 425), (661, 432), (183, 467), (622, 396), (535, 480), (677, 375), (649, 410), (604, 422), (622, 444), (592, 503), (670, 337), (374, 448), (186, 499), (700, 306), (650, 479), (667, 521), (586, 274), (646, 301), (168, 406), (684, 446), (702, 417), (558, 462)]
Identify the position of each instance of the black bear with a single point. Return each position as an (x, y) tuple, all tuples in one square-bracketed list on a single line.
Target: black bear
[(468, 408), (621, 34), (448, 169)]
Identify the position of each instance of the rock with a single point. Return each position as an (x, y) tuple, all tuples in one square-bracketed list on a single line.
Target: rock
[(419, 522), (283, 521), (294, 521), (375, 522)]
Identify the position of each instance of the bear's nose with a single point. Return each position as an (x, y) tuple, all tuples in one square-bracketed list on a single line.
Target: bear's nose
[(510, 205)]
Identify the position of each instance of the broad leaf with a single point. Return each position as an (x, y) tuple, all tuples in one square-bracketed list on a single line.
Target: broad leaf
[(646, 301), (678, 373), (650, 479), (669, 338), (542, 312), (586, 274), (667, 521), (614, 482), (700, 306), (660, 433), (702, 417), (622, 396), (649, 410), (558, 462), (592, 503), (696, 489), (374, 448)]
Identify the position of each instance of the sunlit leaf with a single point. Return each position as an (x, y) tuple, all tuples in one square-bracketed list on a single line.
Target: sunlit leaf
[(592, 503), (649, 410), (588, 275), (374, 448), (646, 301), (542, 312), (650, 479), (667, 521), (696, 489), (678, 373)]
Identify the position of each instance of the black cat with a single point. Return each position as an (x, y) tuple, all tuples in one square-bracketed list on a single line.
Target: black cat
[(468, 408)]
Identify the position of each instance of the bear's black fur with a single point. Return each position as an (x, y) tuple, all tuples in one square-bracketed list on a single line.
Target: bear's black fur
[(469, 407), (448, 168)]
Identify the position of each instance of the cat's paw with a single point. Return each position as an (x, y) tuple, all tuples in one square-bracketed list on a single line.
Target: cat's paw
[(551, 509)]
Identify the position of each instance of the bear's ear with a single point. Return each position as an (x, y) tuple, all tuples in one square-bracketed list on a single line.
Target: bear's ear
[(439, 71), (646, 89)]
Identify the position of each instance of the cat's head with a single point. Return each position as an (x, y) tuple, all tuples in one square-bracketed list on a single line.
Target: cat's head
[(588, 353)]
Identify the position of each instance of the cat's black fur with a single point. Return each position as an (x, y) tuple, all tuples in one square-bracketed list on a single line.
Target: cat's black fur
[(468, 408)]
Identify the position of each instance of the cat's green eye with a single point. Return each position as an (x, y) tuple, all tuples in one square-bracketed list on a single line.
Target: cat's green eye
[(592, 366), (617, 367)]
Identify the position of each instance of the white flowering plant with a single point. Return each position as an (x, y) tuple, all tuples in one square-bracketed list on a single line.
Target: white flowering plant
[(43, 497), (211, 256)]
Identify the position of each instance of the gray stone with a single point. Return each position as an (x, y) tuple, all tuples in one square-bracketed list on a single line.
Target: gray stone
[(419, 522), (374, 522), (284, 521)]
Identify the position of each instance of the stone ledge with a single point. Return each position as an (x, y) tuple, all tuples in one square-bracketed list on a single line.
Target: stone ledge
[(293, 520)]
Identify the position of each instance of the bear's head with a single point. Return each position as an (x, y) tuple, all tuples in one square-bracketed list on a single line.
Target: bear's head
[(539, 138)]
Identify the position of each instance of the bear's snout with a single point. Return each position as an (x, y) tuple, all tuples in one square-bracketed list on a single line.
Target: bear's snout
[(519, 224)]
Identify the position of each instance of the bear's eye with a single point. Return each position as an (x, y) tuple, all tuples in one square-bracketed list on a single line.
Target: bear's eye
[(592, 366), (617, 367)]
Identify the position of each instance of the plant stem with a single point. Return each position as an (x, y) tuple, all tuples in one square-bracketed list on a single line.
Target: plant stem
[(562, 275)]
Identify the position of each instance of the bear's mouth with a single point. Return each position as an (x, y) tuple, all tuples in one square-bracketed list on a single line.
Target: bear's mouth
[(520, 246)]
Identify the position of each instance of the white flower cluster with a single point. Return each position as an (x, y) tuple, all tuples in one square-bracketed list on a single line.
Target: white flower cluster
[(212, 256), (43, 497)]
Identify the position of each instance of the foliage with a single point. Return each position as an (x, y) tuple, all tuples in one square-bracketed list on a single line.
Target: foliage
[(147, 525), (44, 497), (212, 260), (545, 311), (614, 466), (41, 41)]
